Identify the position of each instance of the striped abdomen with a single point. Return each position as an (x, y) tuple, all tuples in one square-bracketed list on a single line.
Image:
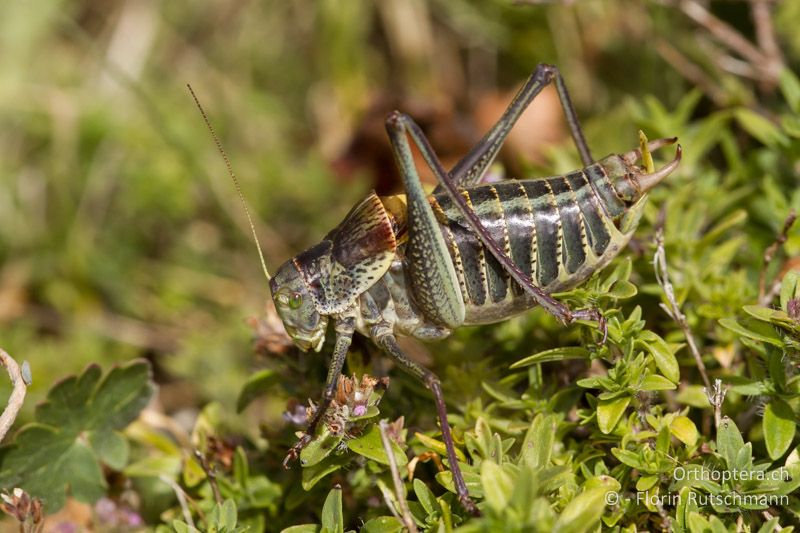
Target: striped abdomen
[(558, 230)]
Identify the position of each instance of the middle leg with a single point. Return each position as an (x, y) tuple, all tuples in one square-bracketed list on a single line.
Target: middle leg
[(388, 343)]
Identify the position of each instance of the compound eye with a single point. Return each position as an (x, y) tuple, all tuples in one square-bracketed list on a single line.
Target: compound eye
[(283, 297), (295, 300)]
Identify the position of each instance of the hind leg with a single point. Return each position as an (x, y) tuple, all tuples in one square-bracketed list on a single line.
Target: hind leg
[(472, 167)]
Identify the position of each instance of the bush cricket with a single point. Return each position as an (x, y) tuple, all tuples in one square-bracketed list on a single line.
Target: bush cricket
[(422, 265)]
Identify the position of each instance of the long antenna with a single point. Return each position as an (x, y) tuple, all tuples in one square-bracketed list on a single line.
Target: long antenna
[(235, 181)]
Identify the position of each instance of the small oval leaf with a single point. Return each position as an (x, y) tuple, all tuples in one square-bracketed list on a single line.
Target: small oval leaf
[(257, 384), (383, 524), (779, 427), (425, 497), (582, 513), (539, 439), (370, 446), (790, 87), (438, 446), (332, 518), (683, 429), (759, 127), (766, 335), (655, 382), (320, 447), (609, 412), (664, 358), (623, 289), (729, 441), (497, 485)]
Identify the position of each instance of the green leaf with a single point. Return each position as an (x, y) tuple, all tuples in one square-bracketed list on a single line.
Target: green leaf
[(749, 387), (609, 412), (629, 458), (791, 125), (759, 127), (790, 87), (769, 526), (498, 486), (183, 527), (383, 524), (686, 106), (111, 447), (767, 334), (168, 465), (646, 483), (789, 286), (313, 474), (697, 523), (438, 446), (744, 458), (302, 528), (777, 370), (426, 497), (729, 441), (539, 440), (779, 427), (684, 430), (555, 354), (654, 382), (75, 429), (732, 220), (762, 313), (471, 479), (663, 356), (224, 517), (332, 518), (370, 446), (693, 396), (622, 271), (623, 289), (583, 513), (320, 447), (687, 503), (256, 385), (717, 525), (82, 404), (773, 316), (241, 468), (228, 516), (603, 481), (71, 466)]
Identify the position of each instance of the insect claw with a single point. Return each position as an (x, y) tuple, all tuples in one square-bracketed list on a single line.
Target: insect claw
[(591, 314), (294, 451), (602, 324), (470, 506), (290, 458)]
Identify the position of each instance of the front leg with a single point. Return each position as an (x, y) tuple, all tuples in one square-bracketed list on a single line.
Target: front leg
[(344, 326)]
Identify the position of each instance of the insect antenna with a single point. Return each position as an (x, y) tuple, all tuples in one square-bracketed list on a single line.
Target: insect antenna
[(235, 180)]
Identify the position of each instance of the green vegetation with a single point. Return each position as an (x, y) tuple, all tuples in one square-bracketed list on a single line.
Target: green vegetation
[(125, 260)]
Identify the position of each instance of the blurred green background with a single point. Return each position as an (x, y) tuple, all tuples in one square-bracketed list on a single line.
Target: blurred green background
[(121, 235)]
